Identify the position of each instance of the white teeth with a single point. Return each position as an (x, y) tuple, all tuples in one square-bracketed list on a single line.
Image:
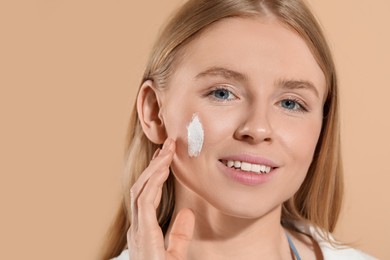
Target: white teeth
[(230, 164), (255, 168), (248, 167)]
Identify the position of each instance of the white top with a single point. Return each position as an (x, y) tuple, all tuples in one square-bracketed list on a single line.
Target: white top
[(328, 251)]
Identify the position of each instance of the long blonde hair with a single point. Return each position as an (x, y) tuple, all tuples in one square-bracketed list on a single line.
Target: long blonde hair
[(318, 201)]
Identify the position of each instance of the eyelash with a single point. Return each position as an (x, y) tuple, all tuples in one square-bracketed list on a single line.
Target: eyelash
[(301, 106), (211, 94)]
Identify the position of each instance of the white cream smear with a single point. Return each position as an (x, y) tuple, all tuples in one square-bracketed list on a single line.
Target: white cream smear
[(195, 136)]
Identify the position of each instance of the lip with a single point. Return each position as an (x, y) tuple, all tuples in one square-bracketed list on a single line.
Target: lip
[(248, 178)]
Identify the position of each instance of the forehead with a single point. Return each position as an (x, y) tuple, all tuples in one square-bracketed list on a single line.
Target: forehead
[(254, 46)]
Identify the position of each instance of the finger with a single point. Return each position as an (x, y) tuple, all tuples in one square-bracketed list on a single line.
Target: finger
[(181, 234), (157, 200), (156, 153), (146, 200), (149, 231), (162, 159), (159, 161)]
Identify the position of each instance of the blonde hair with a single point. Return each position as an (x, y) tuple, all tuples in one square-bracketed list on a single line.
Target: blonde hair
[(318, 201)]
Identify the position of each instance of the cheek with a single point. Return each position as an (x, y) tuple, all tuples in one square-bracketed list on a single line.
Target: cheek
[(196, 132), (301, 140), (188, 132), (203, 133), (218, 127), (195, 136)]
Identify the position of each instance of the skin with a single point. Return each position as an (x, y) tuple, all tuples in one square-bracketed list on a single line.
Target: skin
[(250, 112)]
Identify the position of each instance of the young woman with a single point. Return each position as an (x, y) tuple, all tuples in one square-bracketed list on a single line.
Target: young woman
[(243, 96)]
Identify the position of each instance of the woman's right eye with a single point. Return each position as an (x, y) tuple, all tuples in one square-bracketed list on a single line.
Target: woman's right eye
[(222, 94)]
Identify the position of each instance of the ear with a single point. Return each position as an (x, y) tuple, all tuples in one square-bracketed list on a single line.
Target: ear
[(148, 108)]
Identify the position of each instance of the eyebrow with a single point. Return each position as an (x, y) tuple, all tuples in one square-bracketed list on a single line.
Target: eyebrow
[(298, 84), (223, 72)]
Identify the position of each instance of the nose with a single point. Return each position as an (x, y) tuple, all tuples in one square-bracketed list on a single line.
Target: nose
[(255, 127)]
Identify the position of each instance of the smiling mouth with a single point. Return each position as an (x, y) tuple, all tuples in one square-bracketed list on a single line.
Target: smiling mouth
[(247, 167)]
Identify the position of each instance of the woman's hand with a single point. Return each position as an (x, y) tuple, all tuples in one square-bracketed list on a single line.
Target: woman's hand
[(145, 238)]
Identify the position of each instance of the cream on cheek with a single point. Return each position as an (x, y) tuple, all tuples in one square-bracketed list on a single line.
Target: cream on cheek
[(195, 136)]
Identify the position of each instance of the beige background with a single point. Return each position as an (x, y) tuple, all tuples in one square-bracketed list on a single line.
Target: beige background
[(68, 74)]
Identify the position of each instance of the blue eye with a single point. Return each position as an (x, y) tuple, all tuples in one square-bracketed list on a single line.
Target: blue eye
[(222, 94), (291, 104)]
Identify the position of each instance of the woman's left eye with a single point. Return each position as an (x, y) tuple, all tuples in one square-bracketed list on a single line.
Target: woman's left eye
[(222, 94), (294, 105)]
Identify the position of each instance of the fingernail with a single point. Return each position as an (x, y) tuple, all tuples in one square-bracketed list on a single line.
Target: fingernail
[(167, 143)]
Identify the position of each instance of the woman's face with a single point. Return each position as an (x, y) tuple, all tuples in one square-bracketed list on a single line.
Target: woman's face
[(258, 93)]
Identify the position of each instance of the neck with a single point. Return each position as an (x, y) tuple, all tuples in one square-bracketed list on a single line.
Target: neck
[(221, 236)]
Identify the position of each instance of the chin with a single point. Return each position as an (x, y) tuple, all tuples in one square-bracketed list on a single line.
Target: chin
[(244, 209)]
